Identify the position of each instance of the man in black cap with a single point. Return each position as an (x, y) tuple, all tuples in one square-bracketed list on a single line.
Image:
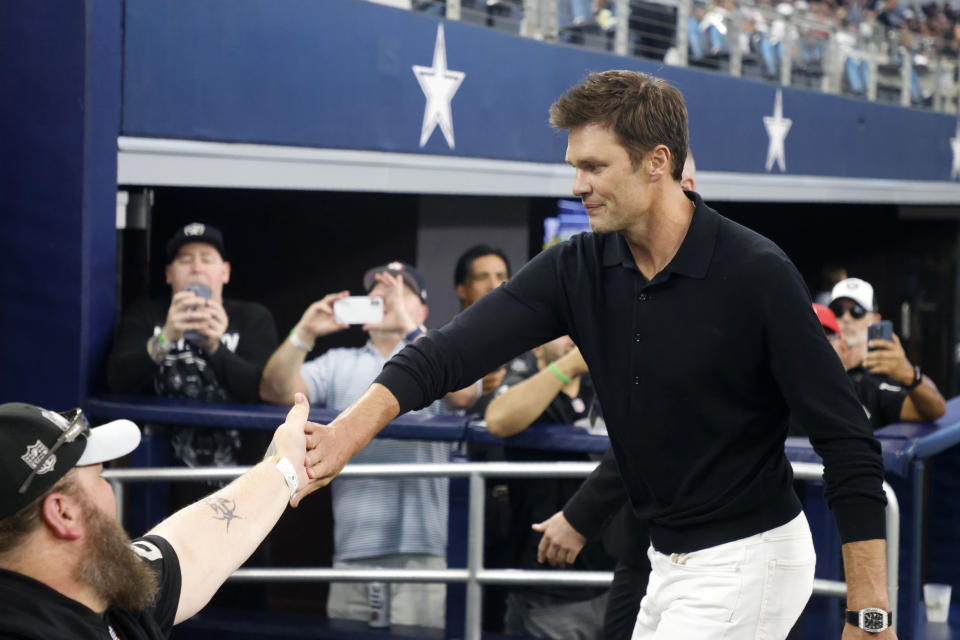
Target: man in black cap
[(196, 344), (68, 569)]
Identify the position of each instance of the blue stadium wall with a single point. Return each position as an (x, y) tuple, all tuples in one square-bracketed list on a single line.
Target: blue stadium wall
[(330, 74)]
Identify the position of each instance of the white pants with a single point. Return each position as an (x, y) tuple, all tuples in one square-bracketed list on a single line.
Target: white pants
[(412, 603), (749, 589)]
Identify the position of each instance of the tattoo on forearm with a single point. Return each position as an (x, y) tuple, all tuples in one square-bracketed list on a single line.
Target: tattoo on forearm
[(223, 509)]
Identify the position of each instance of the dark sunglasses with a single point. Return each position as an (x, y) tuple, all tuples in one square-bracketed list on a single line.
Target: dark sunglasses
[(77, 426), (839, 308)]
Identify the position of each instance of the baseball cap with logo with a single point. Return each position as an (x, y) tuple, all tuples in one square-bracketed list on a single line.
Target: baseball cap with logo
[(827, 318), (195, 232), (855, 289), (410, 276), (38, 447)]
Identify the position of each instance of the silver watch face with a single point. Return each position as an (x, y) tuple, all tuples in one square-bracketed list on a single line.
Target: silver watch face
[(873, 620)]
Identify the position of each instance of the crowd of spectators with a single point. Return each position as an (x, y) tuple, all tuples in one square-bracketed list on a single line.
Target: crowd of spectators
[(890, 30)]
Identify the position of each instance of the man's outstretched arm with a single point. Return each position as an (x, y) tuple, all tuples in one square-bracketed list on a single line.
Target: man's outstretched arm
[(214, 536)]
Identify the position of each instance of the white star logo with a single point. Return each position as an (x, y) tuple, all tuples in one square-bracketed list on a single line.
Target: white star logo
[(955, 147), (777, 128), (439, 84)]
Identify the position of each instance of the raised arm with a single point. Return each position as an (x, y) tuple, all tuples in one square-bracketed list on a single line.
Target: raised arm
[(214, 536), (281, 377), (924, 401), (518, 407)]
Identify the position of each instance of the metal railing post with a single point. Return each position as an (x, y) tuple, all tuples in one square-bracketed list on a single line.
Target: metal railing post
[(118, 496), (453, 9), (786, 55), (872, 53), (906, 65), (681, 42), (475, 524), (733, 45), (621, 35)]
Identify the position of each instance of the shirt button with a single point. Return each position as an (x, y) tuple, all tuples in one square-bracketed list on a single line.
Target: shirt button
[(642, 297), (636, 379), (636, 337)]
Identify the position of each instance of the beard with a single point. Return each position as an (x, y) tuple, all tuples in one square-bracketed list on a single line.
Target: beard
[(111, 567)]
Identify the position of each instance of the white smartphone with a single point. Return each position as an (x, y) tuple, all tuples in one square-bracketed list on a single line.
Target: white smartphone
[(358, 310)]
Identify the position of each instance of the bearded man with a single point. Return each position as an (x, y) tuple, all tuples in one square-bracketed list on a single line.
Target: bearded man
[(68, 569)]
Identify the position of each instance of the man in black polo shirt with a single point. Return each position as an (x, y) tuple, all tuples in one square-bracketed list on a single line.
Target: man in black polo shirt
[(67, 568), (701, 344)]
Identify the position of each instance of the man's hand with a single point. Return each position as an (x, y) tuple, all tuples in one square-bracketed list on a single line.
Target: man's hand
[(396, 317), (290, 440), (492, 380), (888, 358), (215, 325), (573, 362), (561, 543), (317, 321), (185, 314)]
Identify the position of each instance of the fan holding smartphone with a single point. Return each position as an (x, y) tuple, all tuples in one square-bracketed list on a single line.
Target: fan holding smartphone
[(194, 343), (398, 523), (891, 388)]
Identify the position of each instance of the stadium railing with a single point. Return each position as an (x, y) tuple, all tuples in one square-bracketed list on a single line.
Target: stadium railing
[(474, 575)]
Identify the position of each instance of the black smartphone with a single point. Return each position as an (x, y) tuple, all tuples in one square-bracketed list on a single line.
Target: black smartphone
[(882, 330), (202, 291)]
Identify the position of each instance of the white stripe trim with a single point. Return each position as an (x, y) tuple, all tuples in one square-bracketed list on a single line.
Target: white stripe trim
[(190, 163)]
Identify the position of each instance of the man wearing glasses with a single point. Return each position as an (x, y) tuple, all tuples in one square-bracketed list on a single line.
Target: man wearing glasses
[(68, 569), (889, 386)]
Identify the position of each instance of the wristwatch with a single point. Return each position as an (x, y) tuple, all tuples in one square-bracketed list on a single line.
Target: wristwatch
[(416, 333), (917, 378), (871, 620)]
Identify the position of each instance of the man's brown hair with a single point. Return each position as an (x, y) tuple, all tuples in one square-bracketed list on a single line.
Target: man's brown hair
[(641, 110)]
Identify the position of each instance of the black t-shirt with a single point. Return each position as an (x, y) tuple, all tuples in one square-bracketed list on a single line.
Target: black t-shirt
[(30, 610), (882, 398)]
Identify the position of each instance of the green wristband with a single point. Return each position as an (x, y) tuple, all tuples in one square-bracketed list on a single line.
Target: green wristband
[(564, 379), (160, 339)]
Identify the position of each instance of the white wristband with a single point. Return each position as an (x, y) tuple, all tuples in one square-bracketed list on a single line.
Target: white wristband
[(288, 472), (297, 342)]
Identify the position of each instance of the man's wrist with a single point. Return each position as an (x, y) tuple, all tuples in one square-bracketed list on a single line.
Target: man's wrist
[(287, 470), (916, 378), (415, 333), (298, 342)]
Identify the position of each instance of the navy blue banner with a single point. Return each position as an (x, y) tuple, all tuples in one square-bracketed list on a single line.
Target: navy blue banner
[(340, 74)]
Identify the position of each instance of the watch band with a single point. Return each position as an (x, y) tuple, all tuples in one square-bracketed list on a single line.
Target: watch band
[(917, 378), (870, 620), (289, 473), (416, 333)]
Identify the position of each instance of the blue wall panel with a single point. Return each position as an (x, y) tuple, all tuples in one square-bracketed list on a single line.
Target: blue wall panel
[(337, 74), (58, 123)]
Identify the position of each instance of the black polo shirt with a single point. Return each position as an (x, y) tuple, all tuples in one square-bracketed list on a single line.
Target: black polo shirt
[(697, 371)]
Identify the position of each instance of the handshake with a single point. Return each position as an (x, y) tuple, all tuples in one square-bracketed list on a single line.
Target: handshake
[(315, 453)]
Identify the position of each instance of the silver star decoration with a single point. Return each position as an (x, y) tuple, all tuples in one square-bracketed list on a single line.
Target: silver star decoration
[(439, 84), (955, 147), (777, 128)]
